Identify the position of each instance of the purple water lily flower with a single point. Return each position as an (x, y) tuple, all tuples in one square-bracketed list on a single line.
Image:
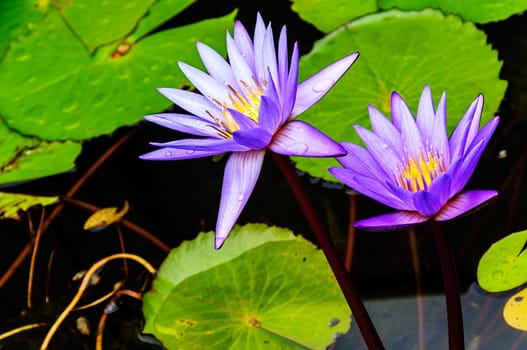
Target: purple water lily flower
[(411, 165), (247, 105)]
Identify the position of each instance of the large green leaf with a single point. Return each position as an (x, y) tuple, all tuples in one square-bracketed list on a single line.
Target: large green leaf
[(99, 22), (16, 16), (42, 159), (400, 51), (51, 86), (265, 289), (12, 144), (160, 12), (11, 204), (328, 15), (479, 11), (504, 264)]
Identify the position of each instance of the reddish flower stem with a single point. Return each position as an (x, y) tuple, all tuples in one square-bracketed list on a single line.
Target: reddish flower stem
[(456, 339), (360, 314)]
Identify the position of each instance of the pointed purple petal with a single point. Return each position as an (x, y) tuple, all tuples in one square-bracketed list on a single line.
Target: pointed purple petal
[(386, 131), (283, 64), (244, 43), (208, 86), (463, 203), (169, 153), (389, 222), (471, 159), (368, 187), (438, 140), (243, 121), (268, 115), (459, 140), (409, 132), (425, 113), (184, 123), (297, 138), (254, 138), (269, 56), (241, 173), (380, 150), (216, 66), (360, 161), (242, 71), (426, 203), (313, 89), (223, 145), (288, 92), (191, 102)]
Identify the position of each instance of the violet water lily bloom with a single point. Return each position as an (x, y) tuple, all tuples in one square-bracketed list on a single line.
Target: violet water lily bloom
[(247, 105), (412, 166)]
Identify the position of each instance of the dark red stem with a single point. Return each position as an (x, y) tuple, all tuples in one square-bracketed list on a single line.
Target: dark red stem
[(360, 314), (456, 339)]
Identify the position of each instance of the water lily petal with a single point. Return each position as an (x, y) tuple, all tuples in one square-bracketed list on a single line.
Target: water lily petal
[(244, 43), (241, 173), (460, 138), (169, 153), (242, 71), (283, 62), (314, 88), (216, 66), (386, 131), (259, 34), (360, 161), (297, 138), (269, 115), (410, 134), (463, 203), (425, 114), (255, 138), (184, 123), (368, 187), (438, 141), (207, 85), (389, 222), (224, 145), (269, 56), (243, 121), (426, 203), (191, 102), (380, 150), (290, 92)]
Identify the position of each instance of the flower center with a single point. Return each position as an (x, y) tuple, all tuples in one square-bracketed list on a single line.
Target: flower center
[(247, 103), (419, 171)]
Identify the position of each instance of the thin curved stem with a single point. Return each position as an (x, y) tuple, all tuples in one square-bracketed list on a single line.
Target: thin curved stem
[(360, 314), (85, 283), (456, 339), (351, 232)]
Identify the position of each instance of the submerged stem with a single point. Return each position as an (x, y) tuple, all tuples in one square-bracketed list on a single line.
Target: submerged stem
[(453, 301), (360, 314)]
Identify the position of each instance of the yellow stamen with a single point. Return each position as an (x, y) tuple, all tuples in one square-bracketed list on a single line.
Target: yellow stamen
[(419, 171), (247, 104)]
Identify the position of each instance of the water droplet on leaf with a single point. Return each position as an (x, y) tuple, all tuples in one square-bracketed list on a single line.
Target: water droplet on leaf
[(497, 275)]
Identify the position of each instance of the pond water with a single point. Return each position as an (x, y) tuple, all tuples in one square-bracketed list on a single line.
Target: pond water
[(175, 200)]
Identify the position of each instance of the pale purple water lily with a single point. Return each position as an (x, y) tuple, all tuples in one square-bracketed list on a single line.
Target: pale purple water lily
[(412, 166), (247, 105)]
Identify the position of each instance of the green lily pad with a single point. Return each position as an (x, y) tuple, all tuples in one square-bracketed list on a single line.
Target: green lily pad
[(504, 264), (479, 11), (342, 12), (265, 288), (99, 22), (12, 144), (16, 16), (85, 96), (11, 204), (40, 160), (400, 51), (160, 12)]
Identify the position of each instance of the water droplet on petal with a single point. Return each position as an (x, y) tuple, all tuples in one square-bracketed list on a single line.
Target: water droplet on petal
[(190, 151), (323, 85), (168, 154), (241, 197), (298, 148)]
